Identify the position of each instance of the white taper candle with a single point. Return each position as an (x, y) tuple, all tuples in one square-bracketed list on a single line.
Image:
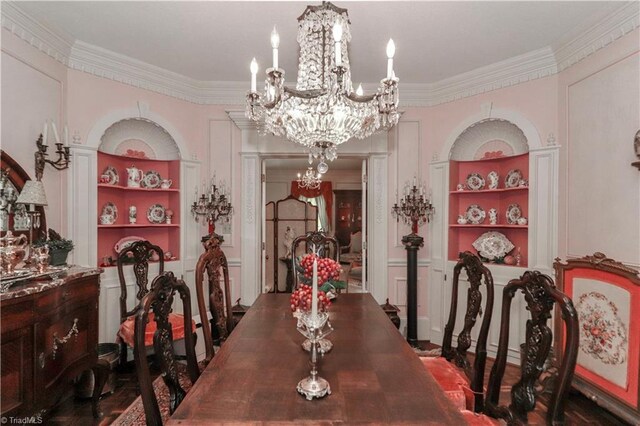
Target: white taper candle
[(44, 133), (254, 72), (391, 50), (314, 290), (275, 42), (55, 132)]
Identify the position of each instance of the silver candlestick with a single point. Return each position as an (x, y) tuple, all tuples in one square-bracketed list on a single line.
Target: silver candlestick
[(312, 328)]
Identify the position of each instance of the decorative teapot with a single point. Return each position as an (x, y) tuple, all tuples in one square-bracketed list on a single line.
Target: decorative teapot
[(13, 250), (134, 177)]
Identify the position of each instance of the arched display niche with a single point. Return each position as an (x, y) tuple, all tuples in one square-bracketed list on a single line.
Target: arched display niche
[(129, 127), (513, 134)]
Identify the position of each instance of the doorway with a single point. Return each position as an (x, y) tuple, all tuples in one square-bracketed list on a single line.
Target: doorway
[(346, 175)]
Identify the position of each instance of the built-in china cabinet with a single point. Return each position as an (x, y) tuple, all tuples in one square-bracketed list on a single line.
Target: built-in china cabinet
[(492, 164), (155, 201)]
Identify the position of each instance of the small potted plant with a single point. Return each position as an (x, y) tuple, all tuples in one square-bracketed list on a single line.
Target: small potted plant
[(59, 248)]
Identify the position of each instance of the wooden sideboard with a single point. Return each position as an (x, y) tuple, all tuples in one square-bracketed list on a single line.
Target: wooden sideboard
[(49, 334)]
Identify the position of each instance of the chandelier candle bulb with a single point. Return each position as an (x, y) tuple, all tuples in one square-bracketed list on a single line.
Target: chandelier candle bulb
[(337, 38), (44, 133), (275, 42), (391, 50), (254, 72), (359, 90), (66, 135)]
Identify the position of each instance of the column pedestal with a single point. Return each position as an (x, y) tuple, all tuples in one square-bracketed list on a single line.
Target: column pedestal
[(412, 244)]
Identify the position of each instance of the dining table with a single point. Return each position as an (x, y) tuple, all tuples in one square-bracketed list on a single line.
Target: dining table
[(374, 375)]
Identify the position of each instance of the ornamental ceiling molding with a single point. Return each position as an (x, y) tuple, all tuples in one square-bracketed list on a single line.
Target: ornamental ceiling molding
[(530, 66)]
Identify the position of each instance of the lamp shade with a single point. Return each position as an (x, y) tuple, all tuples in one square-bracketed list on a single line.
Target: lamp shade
[(33, 193)]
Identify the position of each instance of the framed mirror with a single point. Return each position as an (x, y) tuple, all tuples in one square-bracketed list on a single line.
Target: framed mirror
[(13, 216)]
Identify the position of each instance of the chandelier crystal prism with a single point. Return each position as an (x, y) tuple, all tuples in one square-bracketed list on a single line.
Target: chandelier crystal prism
[(323, 111)]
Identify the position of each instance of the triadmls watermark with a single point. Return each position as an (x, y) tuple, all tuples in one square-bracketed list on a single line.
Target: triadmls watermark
[(26, 420)]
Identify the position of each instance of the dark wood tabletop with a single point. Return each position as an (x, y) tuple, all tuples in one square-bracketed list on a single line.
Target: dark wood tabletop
[(374, 374)]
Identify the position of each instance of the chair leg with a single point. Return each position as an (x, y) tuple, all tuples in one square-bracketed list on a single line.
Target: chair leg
[(123, 355), (101, 372)]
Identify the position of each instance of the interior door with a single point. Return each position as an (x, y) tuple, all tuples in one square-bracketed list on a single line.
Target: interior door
[(364, 225)]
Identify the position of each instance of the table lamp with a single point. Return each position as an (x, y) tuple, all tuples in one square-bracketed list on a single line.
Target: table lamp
[(33, 194)]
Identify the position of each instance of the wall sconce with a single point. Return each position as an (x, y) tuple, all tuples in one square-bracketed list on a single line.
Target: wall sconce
[(63, 161)]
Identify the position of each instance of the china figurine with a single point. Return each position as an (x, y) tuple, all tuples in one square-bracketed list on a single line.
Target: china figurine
[(462, 220), (493, 180), (133, 214), (493, 216), (168, 214), (460, 187), (134, 177)]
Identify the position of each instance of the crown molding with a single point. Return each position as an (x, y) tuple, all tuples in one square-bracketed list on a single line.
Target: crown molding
[(104, 63), (53, 43), (518, 69), (574, 48)]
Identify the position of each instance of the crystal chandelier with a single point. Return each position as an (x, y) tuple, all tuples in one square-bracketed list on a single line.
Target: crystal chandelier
[(323, 111), (415, 209), (310, 180)]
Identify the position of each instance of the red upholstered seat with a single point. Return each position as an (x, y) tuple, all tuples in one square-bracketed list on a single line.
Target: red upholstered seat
[(127, 329), (453, 382)]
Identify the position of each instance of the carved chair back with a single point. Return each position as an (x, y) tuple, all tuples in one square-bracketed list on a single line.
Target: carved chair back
[(140, 253), (540, 295), (326, 246), (213, 262), (477, 274), (159, 300)]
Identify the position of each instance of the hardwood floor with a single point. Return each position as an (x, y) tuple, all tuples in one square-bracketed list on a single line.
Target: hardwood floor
[(77, 412)]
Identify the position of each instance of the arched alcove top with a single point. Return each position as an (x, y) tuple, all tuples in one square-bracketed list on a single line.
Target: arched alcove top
[(137, 136), (528, 129), (491, 137)]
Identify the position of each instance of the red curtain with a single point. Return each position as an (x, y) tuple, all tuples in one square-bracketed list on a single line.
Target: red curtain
[(325, 191)]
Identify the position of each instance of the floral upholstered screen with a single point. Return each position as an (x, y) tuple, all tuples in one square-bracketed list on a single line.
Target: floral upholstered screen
[(606, 295)]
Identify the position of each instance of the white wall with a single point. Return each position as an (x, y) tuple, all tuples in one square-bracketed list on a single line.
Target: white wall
[(34, 89), (600, 114)]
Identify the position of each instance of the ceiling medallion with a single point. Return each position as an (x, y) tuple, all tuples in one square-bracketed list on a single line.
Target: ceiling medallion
[(323, 111), (310, 179)]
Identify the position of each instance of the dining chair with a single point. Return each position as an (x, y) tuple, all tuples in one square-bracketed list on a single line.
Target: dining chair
[(139, 254), (327, 246), (213, 263), (540, 295), (159, 398), (461, 381)]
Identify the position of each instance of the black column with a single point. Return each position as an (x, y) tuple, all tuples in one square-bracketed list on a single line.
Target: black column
[(412, 244)]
